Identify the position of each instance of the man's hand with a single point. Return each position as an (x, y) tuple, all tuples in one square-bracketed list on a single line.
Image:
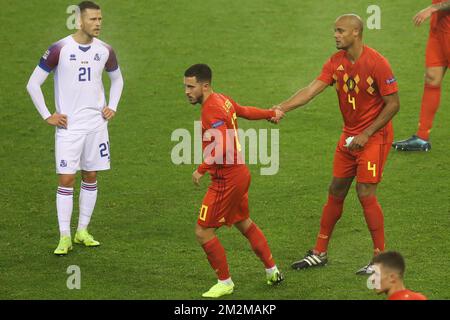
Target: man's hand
[(196, 176), (359, 142), (279, 114), (423, 15), (108, 113), (57, 120)]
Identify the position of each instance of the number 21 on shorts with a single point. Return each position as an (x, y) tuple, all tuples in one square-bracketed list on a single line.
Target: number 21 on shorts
[(104, 149)]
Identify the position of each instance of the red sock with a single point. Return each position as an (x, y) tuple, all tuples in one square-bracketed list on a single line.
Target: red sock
[(259, 245), (430, 104), (375, 221), (217, 258), (332, 211)]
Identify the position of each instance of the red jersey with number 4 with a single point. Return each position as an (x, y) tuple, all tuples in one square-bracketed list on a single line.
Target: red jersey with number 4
[(221, 145), (407, 295), (360, 87)]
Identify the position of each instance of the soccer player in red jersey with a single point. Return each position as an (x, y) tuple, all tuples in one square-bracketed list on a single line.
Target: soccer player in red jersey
[(367, 94), (389, 270), (226, 201), (437, 60)]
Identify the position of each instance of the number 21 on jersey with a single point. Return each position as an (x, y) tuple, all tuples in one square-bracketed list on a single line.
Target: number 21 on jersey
[(85, 74)]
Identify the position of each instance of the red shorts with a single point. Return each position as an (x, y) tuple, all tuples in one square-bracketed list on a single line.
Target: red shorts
[(438, 50), (226, 201), (367, 164)]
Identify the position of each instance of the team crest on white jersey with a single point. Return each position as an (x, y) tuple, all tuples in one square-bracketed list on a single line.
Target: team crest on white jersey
[(73, 57), (97, 57)]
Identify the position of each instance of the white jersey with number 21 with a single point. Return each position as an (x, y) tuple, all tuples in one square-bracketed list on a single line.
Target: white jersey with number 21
[(79, 91)]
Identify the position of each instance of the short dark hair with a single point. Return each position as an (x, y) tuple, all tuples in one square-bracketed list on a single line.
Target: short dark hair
[(88, 5), (201, 71), (392, 260)]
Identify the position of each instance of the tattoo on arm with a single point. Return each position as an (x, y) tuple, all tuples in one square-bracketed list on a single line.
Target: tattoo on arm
[(442, 6)]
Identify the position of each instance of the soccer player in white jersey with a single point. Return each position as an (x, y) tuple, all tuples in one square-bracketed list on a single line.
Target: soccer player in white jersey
[(81, 117)]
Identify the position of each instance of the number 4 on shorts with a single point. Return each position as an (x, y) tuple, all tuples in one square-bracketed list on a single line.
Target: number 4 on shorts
[(372, 168)]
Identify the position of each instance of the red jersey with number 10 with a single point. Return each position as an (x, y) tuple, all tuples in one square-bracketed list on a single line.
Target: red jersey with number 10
[(360, 88), (219, 114)]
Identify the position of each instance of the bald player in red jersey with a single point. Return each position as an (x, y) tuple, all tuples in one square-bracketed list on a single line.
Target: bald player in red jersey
[(390, 270), (367, 94), (226, 201), (437, 60)]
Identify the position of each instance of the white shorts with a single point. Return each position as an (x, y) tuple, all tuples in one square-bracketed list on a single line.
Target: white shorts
[(88, 152)]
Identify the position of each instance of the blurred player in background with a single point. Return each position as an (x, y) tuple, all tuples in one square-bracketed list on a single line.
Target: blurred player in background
[(226, 201), (368, 99), (81, 117), (390, 270), (437, 60)]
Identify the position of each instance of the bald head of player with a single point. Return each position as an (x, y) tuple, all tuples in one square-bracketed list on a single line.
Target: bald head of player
[(197, 83), (348, 31), (90, 19)]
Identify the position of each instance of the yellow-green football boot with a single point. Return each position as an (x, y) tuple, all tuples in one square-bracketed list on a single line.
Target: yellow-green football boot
[(275, 278), (83, 237), (64, 246), (218, 290)]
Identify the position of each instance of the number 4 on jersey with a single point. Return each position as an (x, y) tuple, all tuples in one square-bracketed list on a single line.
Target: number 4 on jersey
[(352, 101)]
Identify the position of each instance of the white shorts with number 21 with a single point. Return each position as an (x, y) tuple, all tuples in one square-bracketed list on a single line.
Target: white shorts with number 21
[(88, 152)]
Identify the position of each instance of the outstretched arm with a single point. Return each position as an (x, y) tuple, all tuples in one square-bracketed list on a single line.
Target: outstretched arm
[(303, 96), (253, 113), (424, 14)]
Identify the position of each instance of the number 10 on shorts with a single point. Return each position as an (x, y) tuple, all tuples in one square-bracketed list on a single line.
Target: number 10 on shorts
[(203, 212)]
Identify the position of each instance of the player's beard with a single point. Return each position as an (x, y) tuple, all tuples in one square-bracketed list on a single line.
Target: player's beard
[(339, 46), (199, 100), (95, 34), (196, 100)]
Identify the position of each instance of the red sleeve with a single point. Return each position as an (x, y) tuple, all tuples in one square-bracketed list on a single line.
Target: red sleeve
[(327, 73), (252, 113), (203, 168), (214, 119), (384, 78)]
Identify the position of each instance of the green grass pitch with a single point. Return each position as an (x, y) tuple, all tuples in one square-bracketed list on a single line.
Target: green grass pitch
[(261, 52)]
